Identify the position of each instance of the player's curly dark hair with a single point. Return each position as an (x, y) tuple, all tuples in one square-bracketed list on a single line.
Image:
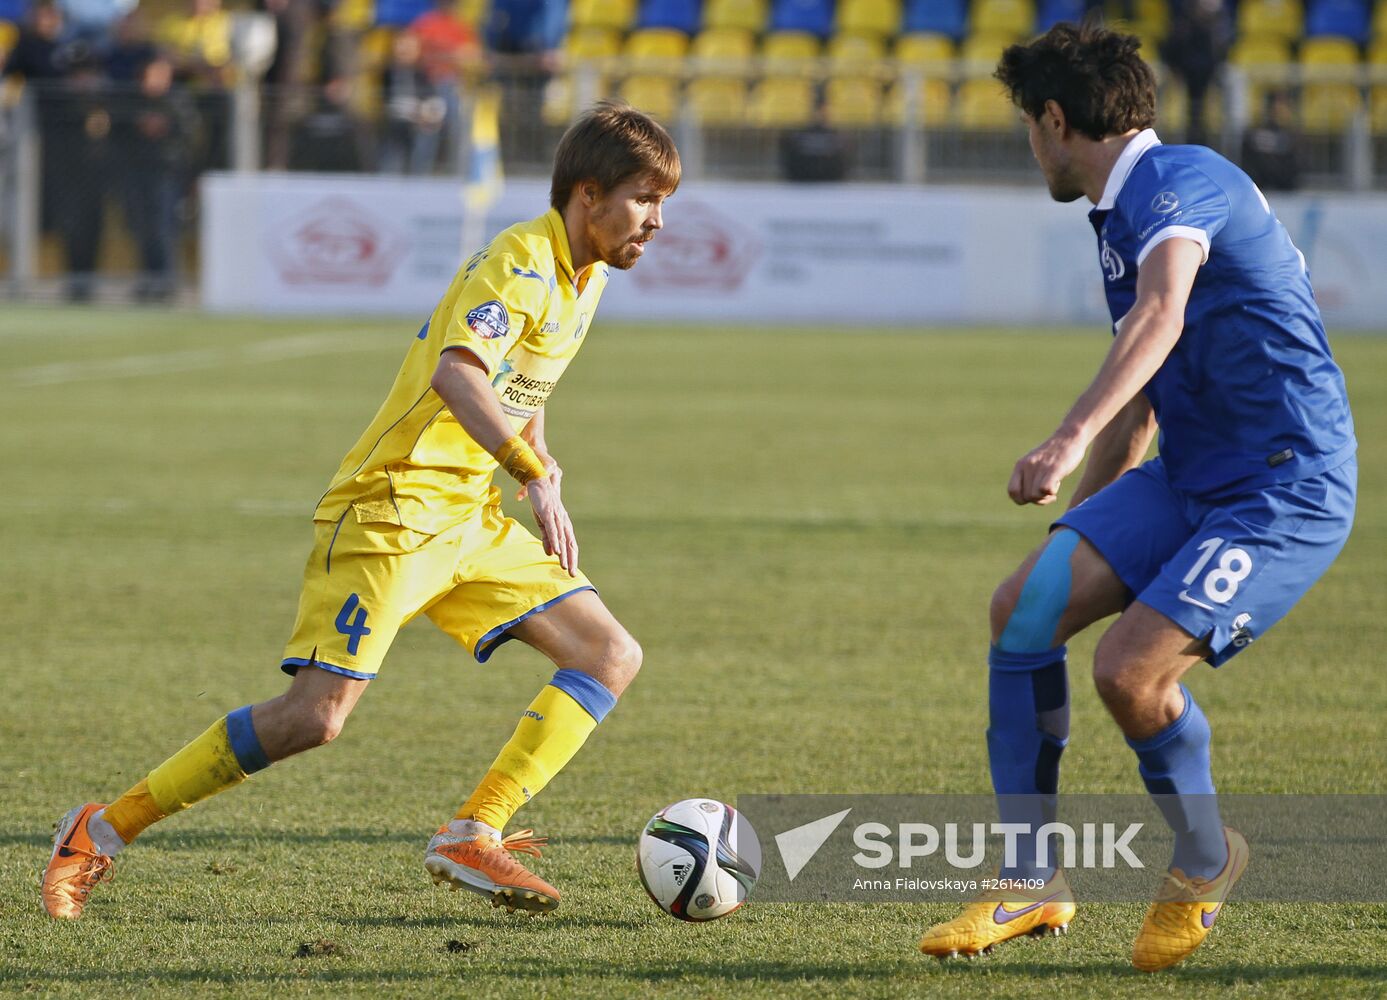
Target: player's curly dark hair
[(610, 143), (1093, 73)]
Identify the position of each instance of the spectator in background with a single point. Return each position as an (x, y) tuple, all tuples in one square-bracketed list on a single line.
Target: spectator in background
[(79, 140), (526, 35), (40, 53), (130, 50), (1200, 35), (815, 153), (282, 95), (1271, 155), (447, 47), (154, 129), (199, 44), (414, 112), (332, 137)]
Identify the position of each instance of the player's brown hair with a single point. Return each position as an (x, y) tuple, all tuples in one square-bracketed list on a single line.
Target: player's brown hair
[(1093, 73), (610, 143)]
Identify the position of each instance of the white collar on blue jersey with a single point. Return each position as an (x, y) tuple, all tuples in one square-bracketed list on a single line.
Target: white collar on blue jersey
[(1126, 160)]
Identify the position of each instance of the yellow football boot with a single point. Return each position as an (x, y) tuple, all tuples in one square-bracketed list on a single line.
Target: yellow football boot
[(1185, 909), (75, 867), (1001, 915), (482, 863)]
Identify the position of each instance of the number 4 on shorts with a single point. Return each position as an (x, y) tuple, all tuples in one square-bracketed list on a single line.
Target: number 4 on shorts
[(352, 626)]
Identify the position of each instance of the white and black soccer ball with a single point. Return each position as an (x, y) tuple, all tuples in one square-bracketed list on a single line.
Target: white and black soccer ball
[(698, 859)]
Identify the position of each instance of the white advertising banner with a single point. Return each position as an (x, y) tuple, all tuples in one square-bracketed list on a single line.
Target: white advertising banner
[(843, 255)]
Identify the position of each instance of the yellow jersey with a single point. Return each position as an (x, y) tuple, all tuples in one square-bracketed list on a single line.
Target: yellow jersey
[(520, 307)]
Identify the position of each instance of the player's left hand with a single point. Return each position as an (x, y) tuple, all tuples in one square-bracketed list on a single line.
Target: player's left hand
[(1037, 476), (555, 476)]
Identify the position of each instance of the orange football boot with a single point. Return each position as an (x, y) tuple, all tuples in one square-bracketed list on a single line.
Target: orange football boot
[(76, 866), (483, 864)]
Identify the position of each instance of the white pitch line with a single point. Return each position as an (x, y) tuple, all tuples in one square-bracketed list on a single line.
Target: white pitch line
[(195, 359)]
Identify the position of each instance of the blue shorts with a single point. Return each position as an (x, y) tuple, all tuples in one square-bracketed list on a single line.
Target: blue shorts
[(1224, 570)]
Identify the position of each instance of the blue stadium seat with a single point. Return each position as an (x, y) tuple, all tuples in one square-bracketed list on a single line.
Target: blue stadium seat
[(13, 10), (940, 17), (399, 13), (1052, 12), (812, 16), (681, 15), (1345, 18)]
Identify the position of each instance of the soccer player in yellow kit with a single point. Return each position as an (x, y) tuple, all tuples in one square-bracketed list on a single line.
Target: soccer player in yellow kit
[(411, 524)]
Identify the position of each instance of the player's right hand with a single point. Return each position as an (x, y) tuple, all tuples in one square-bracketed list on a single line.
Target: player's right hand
[(1037, 476), (555, 526)]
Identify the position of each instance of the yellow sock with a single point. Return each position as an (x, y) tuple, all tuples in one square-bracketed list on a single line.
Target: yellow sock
[(221, 757), (550, 732)]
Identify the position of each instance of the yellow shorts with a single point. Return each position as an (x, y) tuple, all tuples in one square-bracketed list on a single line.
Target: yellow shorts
[(365, 579)]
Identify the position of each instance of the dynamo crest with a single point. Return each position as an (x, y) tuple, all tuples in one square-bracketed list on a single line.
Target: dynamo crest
[(489, 320)]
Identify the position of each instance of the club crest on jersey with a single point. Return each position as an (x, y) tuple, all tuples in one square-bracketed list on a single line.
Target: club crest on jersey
[(1165, 202), (1112, 262), (489, 320)]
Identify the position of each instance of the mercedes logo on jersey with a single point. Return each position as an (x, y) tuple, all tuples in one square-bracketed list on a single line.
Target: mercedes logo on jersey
[(1165, 203)]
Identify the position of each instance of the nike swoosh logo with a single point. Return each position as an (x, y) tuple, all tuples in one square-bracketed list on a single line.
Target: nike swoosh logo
[(63, 852), (1184, 595), (1003, 916), (1208, 917)]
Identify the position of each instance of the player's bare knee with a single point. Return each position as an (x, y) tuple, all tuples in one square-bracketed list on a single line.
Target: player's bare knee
[(622, 657)]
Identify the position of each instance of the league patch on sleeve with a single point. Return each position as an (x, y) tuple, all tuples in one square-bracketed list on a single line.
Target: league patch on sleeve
[(489, 320)]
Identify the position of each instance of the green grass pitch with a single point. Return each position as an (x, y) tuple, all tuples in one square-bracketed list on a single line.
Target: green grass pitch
[(802, 527)]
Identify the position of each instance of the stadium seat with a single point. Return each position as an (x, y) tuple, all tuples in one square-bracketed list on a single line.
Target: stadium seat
[(855, 54), (1377, 54), (1379, 29), (1281, 18), (719, 100), (655, 94), (1173, 108), (748, 15), (1328, 60), (869, 17), (981, 52), (656, 50), (1052, 12), (933, 103), (853, 102), (1327, 108), (782, 102), (924, 49), (1003, 17), (1153, 19), (790, 53), (941, 17), (1342, 18), (1266, 62), (680, 15), (982, 106), (615, 14), (9, 34), (724, 51), (812, 16), (592, 45), (1379, 110)]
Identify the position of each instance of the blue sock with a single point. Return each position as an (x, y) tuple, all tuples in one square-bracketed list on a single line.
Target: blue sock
[(1028, 699), (1175, 766)]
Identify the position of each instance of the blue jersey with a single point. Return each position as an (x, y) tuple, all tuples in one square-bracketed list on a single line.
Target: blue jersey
[(1250, 396)]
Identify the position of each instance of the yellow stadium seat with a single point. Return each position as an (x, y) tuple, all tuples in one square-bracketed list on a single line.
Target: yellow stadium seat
[(1328, 107), (719, 100), (1173, 108), (790, 53), (1377, 52), (782, 102), (724, 44), (1329, 60), (1260, 51), (1282, 18), (592, 45), (747, 15), (1152, 19), (869, 17), (1379, 110), (982, 106), (656, 43), (983, 51), (1003, 17), (853, 102), (855, 53), (655, 94), (934, 102), (922, 49), (615, 14), (1380, 20)]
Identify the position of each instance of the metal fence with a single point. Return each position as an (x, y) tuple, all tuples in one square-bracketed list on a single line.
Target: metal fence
[(98, 182)]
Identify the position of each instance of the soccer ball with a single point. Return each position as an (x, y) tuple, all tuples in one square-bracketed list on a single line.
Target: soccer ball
[(698, 859)]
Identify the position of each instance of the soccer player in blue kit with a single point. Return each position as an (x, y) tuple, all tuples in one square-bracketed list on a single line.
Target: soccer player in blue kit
[(1217, 342)]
